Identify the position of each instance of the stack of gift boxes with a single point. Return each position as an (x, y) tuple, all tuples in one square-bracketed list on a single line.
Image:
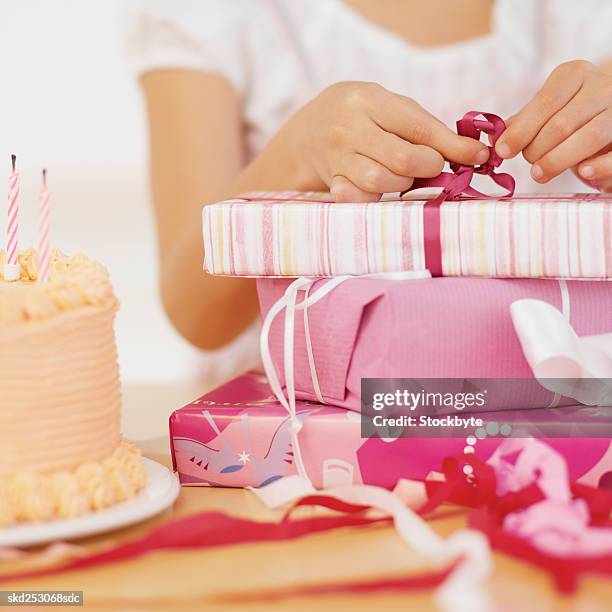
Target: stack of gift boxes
[(367, 306)]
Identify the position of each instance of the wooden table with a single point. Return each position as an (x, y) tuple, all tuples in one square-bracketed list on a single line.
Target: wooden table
[(232, 577)]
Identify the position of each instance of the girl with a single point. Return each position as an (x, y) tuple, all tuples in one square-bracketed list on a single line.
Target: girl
[(354, 96)]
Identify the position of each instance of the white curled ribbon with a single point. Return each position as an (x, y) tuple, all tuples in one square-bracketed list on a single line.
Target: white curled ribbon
[(290, 304), (552, 349), (461, 591), (563, 362)]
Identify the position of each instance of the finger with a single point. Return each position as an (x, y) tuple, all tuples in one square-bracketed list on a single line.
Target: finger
[(398, 155), (592, 184), (508, 121), (343, 190), (408, 120), (584, 143), (559, 88), (370, 176), (578, 112), (596, 168), (605, 186)]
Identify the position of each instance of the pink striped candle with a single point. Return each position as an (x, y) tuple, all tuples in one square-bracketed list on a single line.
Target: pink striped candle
[(11, 267), (43, 231)]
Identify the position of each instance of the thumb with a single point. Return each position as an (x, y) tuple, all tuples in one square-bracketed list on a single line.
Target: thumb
[(508, 123)]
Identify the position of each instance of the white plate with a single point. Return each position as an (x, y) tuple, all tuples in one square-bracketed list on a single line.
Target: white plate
[(160, 492)]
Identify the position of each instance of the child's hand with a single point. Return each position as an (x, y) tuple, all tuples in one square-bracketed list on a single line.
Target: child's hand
[(362, 141), (568, 124)]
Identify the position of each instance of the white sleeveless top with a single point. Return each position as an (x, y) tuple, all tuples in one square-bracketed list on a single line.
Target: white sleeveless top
[(277, 54)]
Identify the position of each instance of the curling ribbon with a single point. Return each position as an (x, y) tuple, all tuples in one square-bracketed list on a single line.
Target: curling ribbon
[(454, 184), (457, 183), (525, 504), (209, 530)]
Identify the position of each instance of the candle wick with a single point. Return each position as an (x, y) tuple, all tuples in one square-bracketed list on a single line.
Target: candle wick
[(13, 161), (44, 174)]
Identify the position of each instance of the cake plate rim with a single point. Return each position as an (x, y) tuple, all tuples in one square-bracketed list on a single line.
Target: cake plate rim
[(160, 492)]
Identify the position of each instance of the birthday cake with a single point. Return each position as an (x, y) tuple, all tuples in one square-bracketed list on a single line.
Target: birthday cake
[(61, 451)]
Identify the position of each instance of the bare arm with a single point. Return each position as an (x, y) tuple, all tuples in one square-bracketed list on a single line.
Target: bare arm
[(358, 139), (197, 154)]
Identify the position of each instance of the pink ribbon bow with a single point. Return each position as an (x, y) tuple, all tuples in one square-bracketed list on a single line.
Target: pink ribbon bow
[(557, 525), (456, 184)]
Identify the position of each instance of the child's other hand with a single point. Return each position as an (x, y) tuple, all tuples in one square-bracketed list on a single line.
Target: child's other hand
[(568, 124), (362, 141)]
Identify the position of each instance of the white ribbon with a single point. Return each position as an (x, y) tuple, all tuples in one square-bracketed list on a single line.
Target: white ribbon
[(562, 361), (289, 303), (534, 325), (552, 349), (461, 591), (310, 353)]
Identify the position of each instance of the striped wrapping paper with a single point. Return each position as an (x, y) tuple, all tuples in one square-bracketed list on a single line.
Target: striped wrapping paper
[(305, 234)]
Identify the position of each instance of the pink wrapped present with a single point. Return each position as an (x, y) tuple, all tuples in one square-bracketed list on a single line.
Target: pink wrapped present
[(238, 436), (461, 232), (427, 328), (290, 234)]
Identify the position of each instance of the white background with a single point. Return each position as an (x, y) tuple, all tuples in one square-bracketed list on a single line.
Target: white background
[(69, 102)]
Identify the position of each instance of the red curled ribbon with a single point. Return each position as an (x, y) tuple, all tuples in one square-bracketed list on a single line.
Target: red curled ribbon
[(457, 183)]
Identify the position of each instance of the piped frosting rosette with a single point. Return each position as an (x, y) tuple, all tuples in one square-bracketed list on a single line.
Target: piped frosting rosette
[(74, 282), (34, 497)]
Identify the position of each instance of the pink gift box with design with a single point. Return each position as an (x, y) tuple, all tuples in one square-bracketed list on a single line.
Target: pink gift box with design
[(425, 328), (238, 436)]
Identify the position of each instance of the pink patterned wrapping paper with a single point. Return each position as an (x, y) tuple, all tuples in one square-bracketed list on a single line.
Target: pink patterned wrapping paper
[(237, 436), (305, 234), (426, 328)]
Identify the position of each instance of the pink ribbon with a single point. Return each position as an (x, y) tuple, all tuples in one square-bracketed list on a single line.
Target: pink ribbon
[(457, 183), (557, 525), (528, 508)]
